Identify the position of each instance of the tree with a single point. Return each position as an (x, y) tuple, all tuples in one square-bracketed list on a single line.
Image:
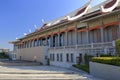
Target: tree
[(117, 43)]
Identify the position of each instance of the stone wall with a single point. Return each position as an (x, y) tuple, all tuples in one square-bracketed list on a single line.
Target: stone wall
[(33, 54)]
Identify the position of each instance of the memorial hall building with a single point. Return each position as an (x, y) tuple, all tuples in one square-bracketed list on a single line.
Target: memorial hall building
[(65, 40)]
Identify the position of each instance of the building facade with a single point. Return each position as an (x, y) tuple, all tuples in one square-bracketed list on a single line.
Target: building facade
[(64, 41), (4, 50)]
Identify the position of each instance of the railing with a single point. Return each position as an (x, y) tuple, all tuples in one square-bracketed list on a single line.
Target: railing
[(105, 44), (85, 46), (108, 44)]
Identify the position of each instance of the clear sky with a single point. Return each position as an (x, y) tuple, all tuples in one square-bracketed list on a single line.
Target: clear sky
[(18, 16)]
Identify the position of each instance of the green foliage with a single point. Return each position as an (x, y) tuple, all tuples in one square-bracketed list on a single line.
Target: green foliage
[(3, 55), (82, 67), (107, 60), (87, 58), (117, 43), (105, 55)]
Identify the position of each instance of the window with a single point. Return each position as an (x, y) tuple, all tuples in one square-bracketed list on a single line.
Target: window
[(61, 39), (46, 57), (53, 41), (67, 57), (71, 57), (57, 57), (51, 57), (48, 41), (61, 57)]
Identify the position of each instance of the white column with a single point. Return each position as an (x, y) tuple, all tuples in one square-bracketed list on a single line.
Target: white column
[(105, 50), (29, 43), (102, 32), (113, 43), (66, 37), (87, 35), (59, 39), (76, 36), (51, 41), (33, 43), (119, 28)]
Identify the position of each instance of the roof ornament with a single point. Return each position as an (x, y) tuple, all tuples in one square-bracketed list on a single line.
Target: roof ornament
[(35, 26), (43, 21), (25, 34), (16, 38), (81, 12), (30, 31), (48, 24), (56, 22), (109, 6)]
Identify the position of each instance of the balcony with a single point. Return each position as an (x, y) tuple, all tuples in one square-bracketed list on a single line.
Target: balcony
[(87, 46)]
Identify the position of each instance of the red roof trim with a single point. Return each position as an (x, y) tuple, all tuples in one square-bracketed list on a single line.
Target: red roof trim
[(62, 31), (71, 29), (82, 30), (110, 24), (93, 28)]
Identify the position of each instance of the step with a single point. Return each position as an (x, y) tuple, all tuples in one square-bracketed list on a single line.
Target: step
[(41, 77), (19, 63), (36, 72)]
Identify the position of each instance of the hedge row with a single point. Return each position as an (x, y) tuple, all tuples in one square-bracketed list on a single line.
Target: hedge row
[(107, 60), (3, 55)]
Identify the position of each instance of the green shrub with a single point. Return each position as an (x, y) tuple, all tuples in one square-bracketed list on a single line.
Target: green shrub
[(105, 55), (117, 43), (3, 55), (87, 58), (107, 60)]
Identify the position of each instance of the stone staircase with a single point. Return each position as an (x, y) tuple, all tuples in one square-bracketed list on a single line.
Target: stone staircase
[(37, 73), (41, 77)]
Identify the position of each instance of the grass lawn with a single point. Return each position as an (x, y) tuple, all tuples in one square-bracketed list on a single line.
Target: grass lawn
[(82, 67)]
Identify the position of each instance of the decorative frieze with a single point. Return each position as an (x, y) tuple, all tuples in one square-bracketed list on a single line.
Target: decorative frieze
[(110, 19)]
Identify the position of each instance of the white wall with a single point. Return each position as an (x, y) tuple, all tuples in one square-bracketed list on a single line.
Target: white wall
[(64, 63), (32, 54)]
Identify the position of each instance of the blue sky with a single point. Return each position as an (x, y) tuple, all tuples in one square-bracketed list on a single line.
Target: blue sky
[(18, 16)]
